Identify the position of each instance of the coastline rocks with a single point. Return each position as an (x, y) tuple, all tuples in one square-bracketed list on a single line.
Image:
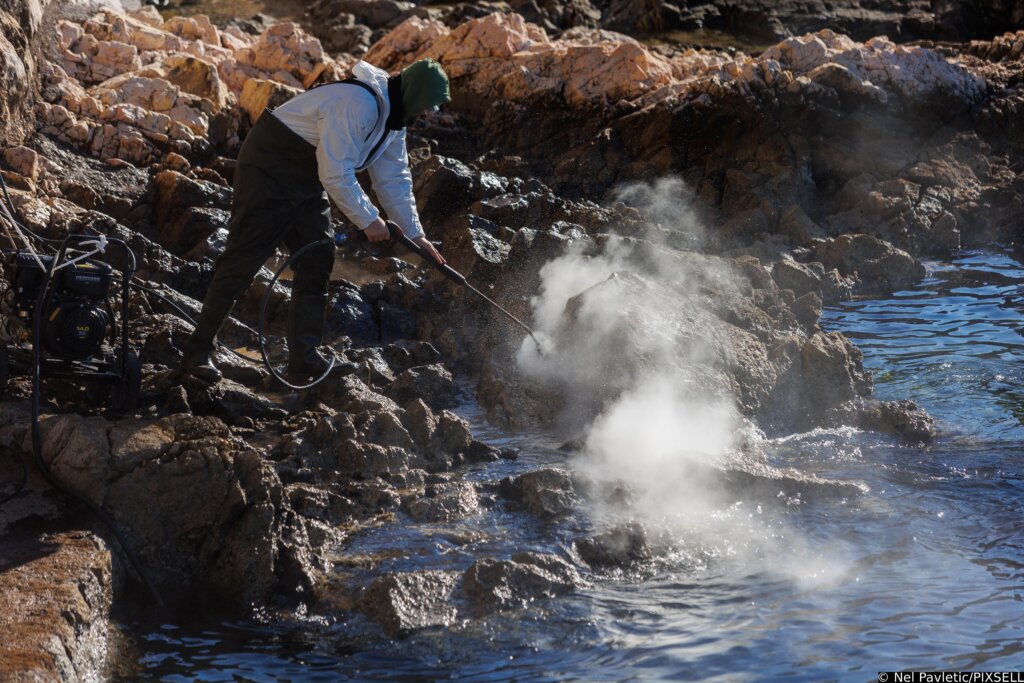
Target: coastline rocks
[(137, 88), (56, 591), (624, 545), (547, 493), (502, 57), (875, 263), (402, 602), (202, 510), (503, 584)]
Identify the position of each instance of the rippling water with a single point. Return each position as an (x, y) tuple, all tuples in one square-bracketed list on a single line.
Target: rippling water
[(926, 570)]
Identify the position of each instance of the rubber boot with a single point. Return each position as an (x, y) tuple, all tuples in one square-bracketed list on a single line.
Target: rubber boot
[(305, 332), (199, 363)]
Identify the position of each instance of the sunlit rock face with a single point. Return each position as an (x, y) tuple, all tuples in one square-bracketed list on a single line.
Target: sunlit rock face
[(135, 87)]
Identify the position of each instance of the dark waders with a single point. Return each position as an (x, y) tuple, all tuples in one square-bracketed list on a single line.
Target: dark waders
[(278, 197)]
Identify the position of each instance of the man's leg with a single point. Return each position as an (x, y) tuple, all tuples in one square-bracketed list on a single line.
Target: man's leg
[(312, 272), (257, 226)]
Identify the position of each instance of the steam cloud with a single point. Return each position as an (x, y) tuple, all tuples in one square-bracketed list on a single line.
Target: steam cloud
[(641, 371)]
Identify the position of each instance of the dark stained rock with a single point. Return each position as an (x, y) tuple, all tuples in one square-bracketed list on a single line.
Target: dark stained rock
[(432, 383), (503, 584), (877, 264), (443, 187), (546, 493), (187, 210), (445, 502), (403, 602), (350, 315), (622, 546)]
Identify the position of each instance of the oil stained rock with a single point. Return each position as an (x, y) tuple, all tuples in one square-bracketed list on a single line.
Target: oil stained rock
[(445, 503), (402, 602), (502, 584), (622, 546), (546, 493)]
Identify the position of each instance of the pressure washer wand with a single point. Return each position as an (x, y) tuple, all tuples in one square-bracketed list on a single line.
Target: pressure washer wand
[(446, 270)]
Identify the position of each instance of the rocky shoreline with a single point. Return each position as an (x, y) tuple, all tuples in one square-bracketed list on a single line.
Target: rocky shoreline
[(656, 212)]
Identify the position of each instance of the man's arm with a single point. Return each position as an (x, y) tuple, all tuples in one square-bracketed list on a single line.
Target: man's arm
[(342, 130), (392, 181)]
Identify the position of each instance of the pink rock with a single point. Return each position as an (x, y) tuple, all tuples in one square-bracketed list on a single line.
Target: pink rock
[(23, 161)]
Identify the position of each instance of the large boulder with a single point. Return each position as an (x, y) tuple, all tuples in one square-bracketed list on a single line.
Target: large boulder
[(201, 510)]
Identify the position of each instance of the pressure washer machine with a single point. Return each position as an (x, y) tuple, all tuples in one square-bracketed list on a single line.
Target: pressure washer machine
[(58, 312)]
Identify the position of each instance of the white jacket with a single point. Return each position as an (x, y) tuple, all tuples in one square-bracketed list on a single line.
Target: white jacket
[(345, 124)]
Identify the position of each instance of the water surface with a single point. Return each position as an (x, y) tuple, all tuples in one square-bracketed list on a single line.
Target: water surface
[(925, 570)]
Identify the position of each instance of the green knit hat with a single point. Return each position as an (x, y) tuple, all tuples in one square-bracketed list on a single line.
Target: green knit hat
[(424, 86)]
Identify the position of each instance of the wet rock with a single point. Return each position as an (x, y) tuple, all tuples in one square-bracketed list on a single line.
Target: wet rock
[(443, 186), (546, 493), (317, 503), (372, 367), (403, 602), (188, 211), (419, 419), (203, 512), (350, 394), (405, 354), (230, 401), (622, 546), (445, 503), (349, 314), (56, 591), (904, 419), (432, 383), (877, 264), (503, 584), (450, 440), (395, 323)]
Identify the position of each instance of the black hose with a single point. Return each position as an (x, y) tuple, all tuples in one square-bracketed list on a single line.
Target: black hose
[(42, 303), (263, 314), (187, 317)]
